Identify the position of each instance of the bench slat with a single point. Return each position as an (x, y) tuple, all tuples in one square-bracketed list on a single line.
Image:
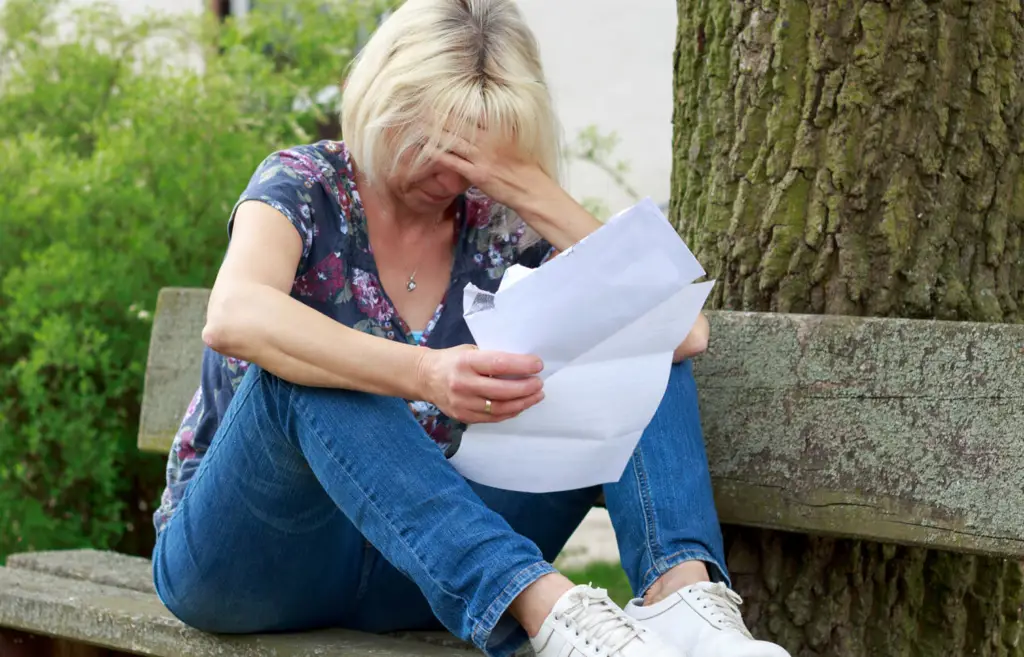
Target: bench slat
[(907, 431), (138, 623), (173, 365), (96, 566)]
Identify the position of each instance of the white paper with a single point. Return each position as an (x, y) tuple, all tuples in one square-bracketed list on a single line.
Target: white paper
[(605, 317)]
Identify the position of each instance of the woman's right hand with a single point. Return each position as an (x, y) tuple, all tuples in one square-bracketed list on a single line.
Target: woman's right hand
[(461, 380)]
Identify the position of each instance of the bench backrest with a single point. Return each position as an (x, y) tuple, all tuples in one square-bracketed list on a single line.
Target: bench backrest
[(905, 431)]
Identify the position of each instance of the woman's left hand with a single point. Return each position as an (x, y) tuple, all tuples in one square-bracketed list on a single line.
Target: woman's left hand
[(496, 168)]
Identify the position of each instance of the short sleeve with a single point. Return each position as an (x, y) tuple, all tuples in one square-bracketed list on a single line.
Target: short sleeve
[(291, 182)]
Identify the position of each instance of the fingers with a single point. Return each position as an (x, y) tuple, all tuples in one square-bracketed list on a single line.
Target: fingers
[(459, 165), (513, 407), (496, 390), (497, 363), (509, 396), (459, 145), (508, 381), (451, 148), (500, 410)]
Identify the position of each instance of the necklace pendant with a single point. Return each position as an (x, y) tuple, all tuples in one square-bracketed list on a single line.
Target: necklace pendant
[(411, 285)]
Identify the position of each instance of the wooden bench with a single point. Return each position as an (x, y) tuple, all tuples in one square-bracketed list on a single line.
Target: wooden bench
[(901, 431)]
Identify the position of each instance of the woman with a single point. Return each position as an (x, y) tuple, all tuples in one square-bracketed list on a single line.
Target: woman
[(305, 492)]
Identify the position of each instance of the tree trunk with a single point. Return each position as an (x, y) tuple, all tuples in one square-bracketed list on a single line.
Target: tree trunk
[(862, 158)]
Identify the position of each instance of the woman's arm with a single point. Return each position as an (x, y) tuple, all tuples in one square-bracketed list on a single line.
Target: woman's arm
[(554, 214), (543, 204), (252, 316), (562, 221)]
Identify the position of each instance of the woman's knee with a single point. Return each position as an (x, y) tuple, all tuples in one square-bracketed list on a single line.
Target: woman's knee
[(197, 601), (207, 610), (218, 604)]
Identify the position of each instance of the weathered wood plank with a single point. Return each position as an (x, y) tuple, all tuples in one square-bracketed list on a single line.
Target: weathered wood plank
[(173, 365), (22, 644), (138, 623), (908, 431), (97, 566), (136, 574)]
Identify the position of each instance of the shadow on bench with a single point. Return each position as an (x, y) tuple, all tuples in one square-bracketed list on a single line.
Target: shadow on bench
[(900, 431)]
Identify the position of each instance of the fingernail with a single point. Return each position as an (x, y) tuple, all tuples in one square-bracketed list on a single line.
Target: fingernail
[(538, 366)]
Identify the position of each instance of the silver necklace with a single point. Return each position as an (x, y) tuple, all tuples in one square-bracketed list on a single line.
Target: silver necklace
[(410, 285)]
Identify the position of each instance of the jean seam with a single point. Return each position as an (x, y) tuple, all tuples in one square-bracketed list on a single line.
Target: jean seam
[(665, 564), (483, 628), (650, 521), (298, 402)]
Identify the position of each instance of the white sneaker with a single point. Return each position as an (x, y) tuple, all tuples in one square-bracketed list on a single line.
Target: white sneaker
[(586, 623), (703, 620)]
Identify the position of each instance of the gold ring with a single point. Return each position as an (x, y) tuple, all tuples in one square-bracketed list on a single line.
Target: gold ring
[(487, 406)]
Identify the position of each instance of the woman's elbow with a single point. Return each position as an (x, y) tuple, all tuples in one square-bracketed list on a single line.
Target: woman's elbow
[(689, 349), (695, 343), (214, 336), (222, 331), (698, 344)]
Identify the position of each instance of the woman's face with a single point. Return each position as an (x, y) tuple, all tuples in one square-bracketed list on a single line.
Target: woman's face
[(425, 187)]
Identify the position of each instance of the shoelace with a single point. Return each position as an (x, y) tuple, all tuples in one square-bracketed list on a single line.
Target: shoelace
[(599, 621), (723, 605)]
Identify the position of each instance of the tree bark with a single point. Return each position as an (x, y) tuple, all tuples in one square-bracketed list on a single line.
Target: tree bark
[(862, 158)]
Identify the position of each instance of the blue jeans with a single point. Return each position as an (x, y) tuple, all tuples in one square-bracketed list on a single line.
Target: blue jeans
[(330, 508)]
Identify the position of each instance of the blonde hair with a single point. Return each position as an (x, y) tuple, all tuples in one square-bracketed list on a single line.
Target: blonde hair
[(448, 64)]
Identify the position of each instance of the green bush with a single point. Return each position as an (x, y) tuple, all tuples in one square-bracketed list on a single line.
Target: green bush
[(123, 145)]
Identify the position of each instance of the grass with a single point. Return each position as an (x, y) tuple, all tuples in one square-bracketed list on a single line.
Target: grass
[(606, 576)]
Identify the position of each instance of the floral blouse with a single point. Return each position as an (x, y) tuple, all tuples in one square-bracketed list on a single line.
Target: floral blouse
[(314, 187)]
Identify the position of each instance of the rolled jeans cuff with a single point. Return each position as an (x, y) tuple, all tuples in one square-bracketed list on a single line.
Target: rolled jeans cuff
[(716, 570), (497, 633)]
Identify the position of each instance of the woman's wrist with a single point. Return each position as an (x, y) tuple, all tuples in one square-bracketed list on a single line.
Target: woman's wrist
[(424, 375), (556, 215), (534, 197)]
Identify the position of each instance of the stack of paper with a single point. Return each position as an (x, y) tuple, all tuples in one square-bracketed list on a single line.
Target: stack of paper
[(605, 317)]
